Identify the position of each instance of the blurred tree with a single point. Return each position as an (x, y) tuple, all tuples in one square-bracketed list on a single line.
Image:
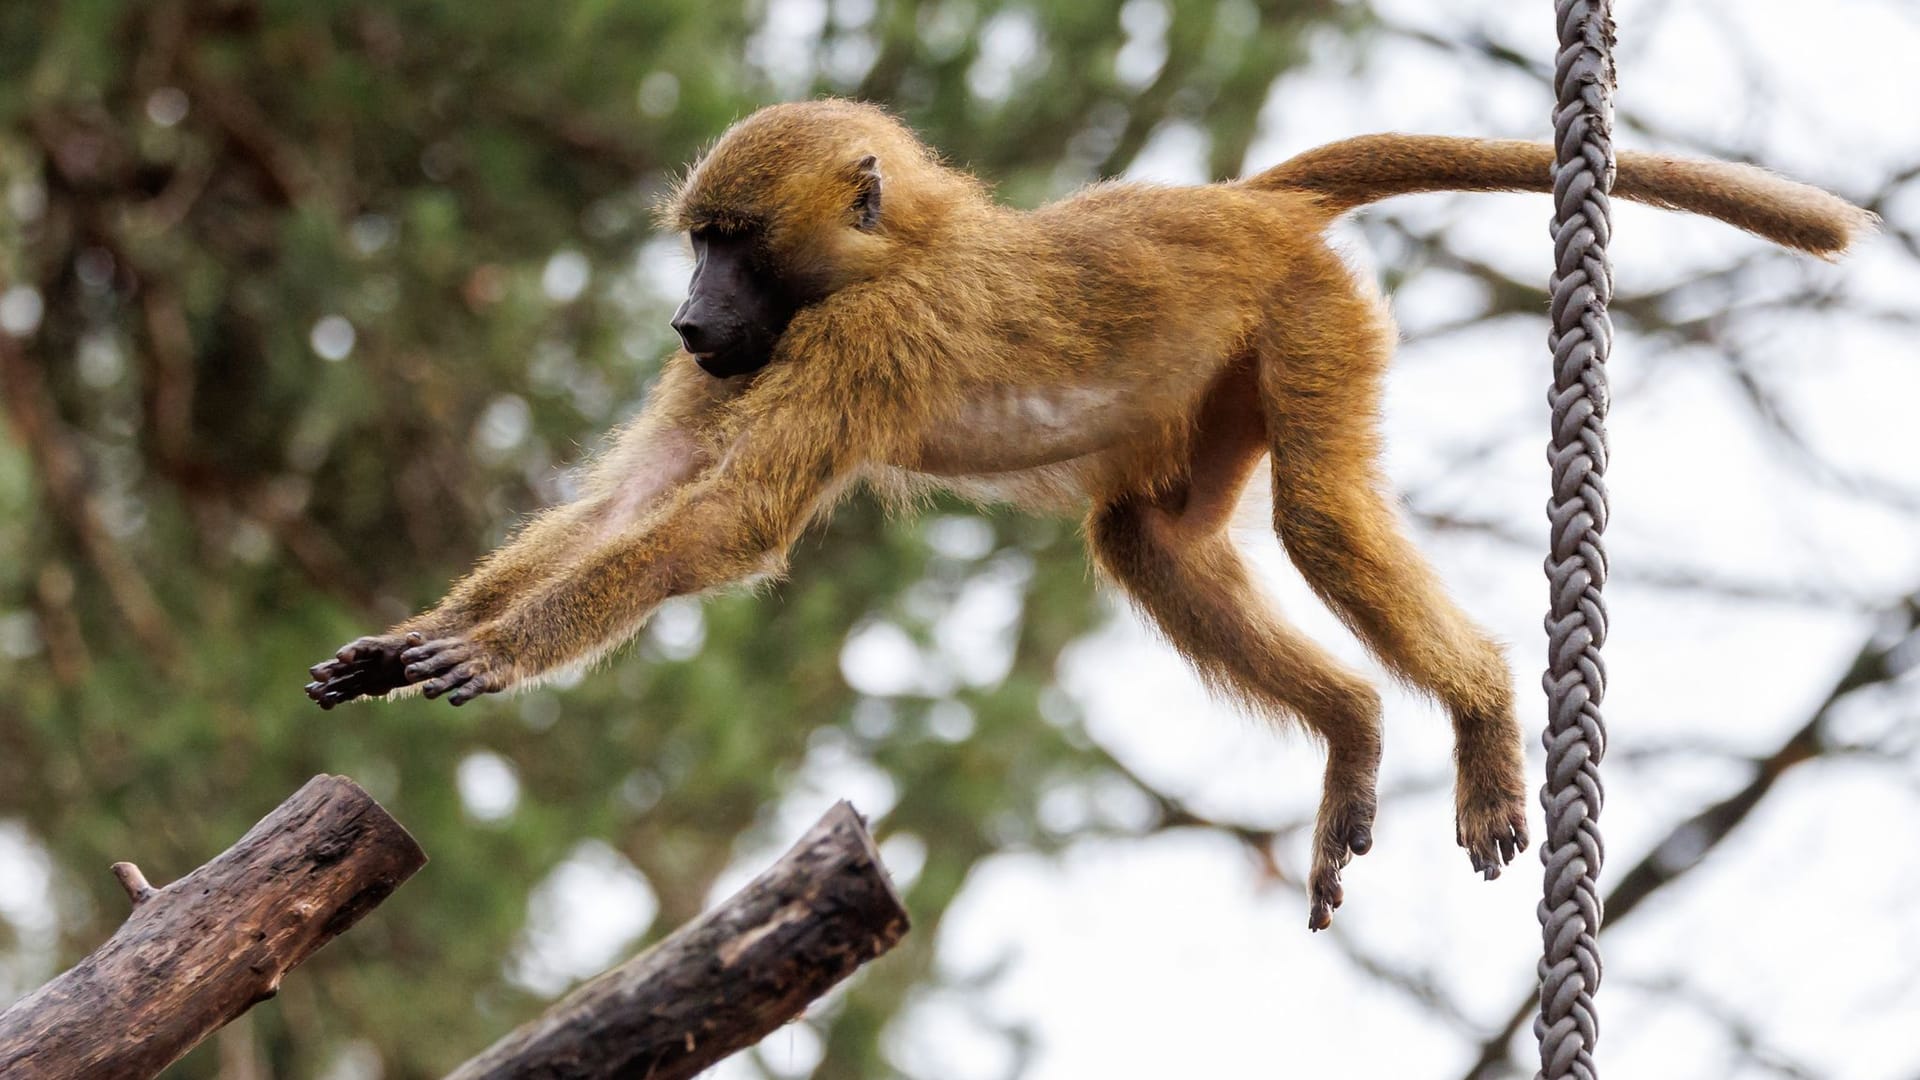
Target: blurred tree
[(302, 304)]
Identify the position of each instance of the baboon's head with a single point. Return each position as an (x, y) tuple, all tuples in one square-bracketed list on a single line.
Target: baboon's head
[(792, 204)]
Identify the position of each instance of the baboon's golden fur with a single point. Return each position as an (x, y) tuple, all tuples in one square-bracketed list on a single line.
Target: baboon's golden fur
[(1135, 348)]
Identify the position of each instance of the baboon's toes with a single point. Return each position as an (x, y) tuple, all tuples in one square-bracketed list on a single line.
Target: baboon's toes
[(1360, 839), (1494, 832), (1341, 833), (1323, 895), (1319, 917), (1346, 824)]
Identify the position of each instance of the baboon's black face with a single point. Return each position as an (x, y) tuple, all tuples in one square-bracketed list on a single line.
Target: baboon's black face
[(736, 307)]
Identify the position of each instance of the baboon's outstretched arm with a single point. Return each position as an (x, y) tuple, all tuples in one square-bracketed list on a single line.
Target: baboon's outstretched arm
[(658, 452), (733, 523), (653, 456), (790, 443), (708, 487)]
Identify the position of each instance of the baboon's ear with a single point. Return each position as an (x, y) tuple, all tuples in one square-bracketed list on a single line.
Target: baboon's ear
[(866, 199)]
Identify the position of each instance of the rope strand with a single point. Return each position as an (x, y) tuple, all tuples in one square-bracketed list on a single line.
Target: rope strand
[(1568, 1026)]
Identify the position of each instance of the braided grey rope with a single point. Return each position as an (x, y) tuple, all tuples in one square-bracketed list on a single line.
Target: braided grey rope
[(1568, 1026)]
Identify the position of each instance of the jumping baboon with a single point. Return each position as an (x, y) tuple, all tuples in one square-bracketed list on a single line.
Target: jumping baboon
[(861, 312)]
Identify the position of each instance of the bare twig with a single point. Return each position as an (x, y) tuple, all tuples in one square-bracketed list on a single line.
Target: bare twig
[(135, 882)]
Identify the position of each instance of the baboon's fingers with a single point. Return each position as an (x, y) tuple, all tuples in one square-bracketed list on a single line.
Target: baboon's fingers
[(433, 658), (334, 691), (368, 647), (361, 667), (334, 668), (459, 676), (484, 683)]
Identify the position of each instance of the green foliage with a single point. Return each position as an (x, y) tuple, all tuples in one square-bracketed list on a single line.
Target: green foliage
[(305, 349)]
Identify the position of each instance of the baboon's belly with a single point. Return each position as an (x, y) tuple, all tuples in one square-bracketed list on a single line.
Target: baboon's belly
[(1015, 428)]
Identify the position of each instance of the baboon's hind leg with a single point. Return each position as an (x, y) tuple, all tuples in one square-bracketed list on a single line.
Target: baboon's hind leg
[(1172, 555), (1321, 383)]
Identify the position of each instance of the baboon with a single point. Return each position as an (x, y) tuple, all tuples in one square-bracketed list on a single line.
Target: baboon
[(860, 311)]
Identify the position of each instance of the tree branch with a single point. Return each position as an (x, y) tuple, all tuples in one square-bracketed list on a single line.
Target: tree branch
[(196, 954), (725, 980)]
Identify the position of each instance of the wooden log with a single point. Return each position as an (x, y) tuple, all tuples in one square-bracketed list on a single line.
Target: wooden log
[(725, 980), (196, 954)]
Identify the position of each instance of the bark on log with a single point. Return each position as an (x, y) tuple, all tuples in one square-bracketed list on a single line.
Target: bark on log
[(723, 981), (196, 954)]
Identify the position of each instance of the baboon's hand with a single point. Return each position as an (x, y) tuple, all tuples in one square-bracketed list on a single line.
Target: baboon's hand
[(364, 667), (462, 667)]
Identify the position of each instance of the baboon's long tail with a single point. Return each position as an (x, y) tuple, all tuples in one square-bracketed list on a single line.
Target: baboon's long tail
[(1361, 170)]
